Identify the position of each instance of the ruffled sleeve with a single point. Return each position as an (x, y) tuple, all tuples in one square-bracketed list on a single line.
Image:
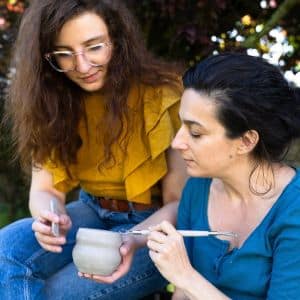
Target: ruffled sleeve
[(146, 162), (61, 179)]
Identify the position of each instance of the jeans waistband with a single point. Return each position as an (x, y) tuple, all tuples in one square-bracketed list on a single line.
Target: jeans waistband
[(123, 205)]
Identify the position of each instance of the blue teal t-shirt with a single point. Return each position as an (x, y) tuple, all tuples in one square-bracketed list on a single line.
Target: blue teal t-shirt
[(267, 266)]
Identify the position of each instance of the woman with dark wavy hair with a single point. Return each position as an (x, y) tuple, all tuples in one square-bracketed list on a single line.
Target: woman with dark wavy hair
[(90, 107), (239, 116)]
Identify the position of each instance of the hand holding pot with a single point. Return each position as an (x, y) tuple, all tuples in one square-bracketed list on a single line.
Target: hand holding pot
[(127, 251)]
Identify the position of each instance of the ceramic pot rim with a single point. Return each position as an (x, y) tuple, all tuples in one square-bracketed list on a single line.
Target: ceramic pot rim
[(98, 234)]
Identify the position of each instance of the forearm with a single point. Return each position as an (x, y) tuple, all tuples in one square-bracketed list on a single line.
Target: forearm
[(40, 200), (167, 212), (42, 191), (179, 295), (196, 287)]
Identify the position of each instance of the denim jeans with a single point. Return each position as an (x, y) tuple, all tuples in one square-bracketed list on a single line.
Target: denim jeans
[(29, 272)]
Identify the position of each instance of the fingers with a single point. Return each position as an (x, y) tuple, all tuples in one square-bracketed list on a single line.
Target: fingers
[(50, 239), (47, 240), (165, 227), (127, 246), (104, 279), (163, 233), (154, 256), (163, 240), (157, 236), (65, 223), (124, 249), (52, 246), (42, 223), (97, 278), (156, 247), (122, 269), (64, 219), (43, 233), (49, 216), (41, 226)]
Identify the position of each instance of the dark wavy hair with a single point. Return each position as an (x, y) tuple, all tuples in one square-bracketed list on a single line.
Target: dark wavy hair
[(250, 94), (45, 106)]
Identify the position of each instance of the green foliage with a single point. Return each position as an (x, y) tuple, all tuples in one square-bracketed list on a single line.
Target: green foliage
[(13, 186), (183, 29)]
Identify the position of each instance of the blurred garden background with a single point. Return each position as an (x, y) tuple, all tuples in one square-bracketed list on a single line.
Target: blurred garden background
[(180, 30)]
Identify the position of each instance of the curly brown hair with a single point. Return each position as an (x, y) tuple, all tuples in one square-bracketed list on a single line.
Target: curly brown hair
[(46, 107)]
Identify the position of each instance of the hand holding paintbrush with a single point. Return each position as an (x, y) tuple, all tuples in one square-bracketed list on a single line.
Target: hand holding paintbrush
[(54, 209), (51, 222)]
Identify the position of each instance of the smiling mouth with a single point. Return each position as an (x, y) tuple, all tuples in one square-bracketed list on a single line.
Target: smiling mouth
[(89, 76)]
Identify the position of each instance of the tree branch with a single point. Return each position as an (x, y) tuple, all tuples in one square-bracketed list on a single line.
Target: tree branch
[(281, 11)]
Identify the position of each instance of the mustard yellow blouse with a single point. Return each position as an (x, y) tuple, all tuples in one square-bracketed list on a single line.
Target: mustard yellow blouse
[(136, 172)]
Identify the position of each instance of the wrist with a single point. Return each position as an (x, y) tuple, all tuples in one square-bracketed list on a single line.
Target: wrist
[(140, 241), (135, 242), (184, 281)]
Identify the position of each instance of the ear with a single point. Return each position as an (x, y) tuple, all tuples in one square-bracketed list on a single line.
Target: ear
[(248, 141)]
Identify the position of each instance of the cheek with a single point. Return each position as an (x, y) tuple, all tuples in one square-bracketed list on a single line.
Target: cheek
[(211, 151)]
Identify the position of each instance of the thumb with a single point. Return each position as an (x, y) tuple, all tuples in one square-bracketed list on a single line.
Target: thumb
[(125, 248), (65, 221)]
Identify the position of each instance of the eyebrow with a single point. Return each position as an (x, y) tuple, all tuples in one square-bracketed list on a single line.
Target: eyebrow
[(99, 38), (190, 123)]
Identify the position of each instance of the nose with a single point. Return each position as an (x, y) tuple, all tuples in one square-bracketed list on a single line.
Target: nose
[(82, 65), (179, 141)]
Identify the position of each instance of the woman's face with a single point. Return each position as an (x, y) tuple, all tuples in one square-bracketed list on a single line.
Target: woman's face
[(79, 35), (201, 139)]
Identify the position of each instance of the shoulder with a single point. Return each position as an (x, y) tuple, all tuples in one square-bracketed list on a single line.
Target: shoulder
[(290, 198), (160, 115), (164, 95), (286, 218)]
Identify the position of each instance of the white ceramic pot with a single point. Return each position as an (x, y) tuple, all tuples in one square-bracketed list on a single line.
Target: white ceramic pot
[(97, 251)]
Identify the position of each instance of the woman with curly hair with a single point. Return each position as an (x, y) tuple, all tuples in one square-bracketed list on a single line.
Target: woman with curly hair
[(90, 107)]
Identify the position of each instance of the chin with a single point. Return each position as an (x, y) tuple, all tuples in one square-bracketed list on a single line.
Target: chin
[(195, 173), (192, 173), (93, 87)]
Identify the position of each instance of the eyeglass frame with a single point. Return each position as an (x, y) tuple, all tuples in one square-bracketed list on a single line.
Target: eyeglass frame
[(47, 56)]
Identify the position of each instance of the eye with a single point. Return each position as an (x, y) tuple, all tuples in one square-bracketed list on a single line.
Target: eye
[(195, 135), (195, 131), (62, 54), (97, 47)]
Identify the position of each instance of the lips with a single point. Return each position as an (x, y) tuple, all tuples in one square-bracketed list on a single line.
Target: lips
[(188, 161), (91, 78)]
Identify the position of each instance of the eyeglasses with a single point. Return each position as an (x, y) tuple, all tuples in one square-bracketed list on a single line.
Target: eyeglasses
[(65, 61)]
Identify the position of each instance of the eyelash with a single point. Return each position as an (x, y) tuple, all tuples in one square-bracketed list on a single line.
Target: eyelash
[(195, 135)]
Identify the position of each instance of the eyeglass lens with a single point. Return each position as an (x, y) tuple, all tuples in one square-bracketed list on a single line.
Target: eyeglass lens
[(65, 61)]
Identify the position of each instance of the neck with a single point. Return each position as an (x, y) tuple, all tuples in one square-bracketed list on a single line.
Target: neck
[(245, 182)]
